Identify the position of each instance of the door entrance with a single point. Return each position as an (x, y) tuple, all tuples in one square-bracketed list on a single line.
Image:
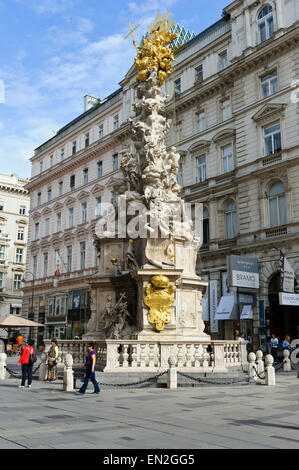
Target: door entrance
[(281, 319)]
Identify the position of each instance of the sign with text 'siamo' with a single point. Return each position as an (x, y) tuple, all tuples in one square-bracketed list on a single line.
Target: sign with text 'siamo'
[(243, 271)]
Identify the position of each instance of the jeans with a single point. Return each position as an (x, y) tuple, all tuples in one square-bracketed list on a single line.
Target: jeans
[(274, 354), (89, 376), (26, 373)]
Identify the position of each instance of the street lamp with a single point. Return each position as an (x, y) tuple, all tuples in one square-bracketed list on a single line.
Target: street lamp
[(32, 299)]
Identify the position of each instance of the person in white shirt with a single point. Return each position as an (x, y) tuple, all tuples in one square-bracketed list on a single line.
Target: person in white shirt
[(241, 337)]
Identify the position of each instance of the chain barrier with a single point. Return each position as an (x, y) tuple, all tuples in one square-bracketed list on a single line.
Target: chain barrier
[(258, 375), (16, 375), (227, 382), (149, 381)]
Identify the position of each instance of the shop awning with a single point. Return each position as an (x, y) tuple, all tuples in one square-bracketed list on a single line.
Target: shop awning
[(12, 321), (247, 313), (227, 308)]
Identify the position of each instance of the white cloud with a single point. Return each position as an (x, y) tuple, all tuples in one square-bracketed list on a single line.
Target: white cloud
[(49, 6)]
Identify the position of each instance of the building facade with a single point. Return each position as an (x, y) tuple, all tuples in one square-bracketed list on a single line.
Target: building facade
[(14, 216), (234, 109), (73, 174)]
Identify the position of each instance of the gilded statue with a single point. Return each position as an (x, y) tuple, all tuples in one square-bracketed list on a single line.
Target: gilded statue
[(159, 299)]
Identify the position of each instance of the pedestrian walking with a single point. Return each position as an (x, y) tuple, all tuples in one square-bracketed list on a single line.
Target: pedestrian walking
[(90, 365), (274, 347), (27, 364), (52, 361)]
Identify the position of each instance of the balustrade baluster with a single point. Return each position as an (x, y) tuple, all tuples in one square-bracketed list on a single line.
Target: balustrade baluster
[(151, 362), (188, 356), (180, 356), (125, 355), (197, 355), (142, 355), (134, 356)]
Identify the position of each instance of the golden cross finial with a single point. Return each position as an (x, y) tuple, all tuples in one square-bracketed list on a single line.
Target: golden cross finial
[(131, 32)]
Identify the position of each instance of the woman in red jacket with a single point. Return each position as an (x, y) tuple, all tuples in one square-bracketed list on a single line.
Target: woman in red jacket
[(24, 360)]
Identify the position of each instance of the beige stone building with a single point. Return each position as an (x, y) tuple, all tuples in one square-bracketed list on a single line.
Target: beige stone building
[(233, 102), (14, 215), (235, 122), (73, 174)]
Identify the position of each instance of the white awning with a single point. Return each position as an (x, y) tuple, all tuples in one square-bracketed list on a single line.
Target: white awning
[(227, 309), (16, 305), (247, 313)]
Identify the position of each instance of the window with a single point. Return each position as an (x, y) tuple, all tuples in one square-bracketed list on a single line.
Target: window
[(87, 139), (1, 280), (19, 255), (226, 112), (230, 220), (100, 169), (51, 160), (22, 210), (272, 139), (177, 87), (62, 154), (201, 121), (179, 131), (49, 194), (72, 182), (277, 205), (223, 62), (36, 231), (115, 162), (58, 225), (17, 281), (46, 258), (1, 228), (41, 167), (71, 217), (227, 158), (101, 131), (82, 255), (84, 212), (21, 232), (74, 148), (269, 84), (39, 199), (199, 74), (201, 171), (265, 24), (69, 257), (116, 122), (205, 225), (60, 188), (2, 252), (180, 175), (1, 207), (98, 208), (85, 176), (47, 226), (34, 266)]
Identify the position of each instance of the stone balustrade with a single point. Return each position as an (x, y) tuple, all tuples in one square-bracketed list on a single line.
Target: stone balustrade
[(152, 356)]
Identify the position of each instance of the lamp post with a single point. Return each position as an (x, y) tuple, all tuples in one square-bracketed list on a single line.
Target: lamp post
[(32, 299)]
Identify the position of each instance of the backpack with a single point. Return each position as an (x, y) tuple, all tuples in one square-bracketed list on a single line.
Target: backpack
[(32, 358)]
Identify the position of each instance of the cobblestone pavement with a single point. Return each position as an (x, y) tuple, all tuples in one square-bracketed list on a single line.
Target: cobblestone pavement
[(208, 417)]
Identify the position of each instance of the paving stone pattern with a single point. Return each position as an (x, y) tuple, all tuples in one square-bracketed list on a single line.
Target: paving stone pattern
[(233, 417)]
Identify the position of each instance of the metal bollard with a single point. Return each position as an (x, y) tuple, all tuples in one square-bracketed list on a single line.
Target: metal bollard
[(270, 371), (3, 358), (172, 380)]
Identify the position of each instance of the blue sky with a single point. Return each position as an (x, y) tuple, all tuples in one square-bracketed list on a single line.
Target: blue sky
[(53, 52)]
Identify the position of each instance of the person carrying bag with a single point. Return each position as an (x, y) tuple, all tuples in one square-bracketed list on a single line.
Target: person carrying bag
[(27, 360), (52, 360)]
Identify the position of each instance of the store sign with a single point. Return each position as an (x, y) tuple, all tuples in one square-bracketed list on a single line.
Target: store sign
[(288, 299), (244, 272), (247, 313), (244, 298), (287, 275), (213, 306)]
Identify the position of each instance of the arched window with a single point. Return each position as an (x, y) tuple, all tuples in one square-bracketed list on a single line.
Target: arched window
[(205, 224), (230, 219), (265, 23), (277, 205)]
